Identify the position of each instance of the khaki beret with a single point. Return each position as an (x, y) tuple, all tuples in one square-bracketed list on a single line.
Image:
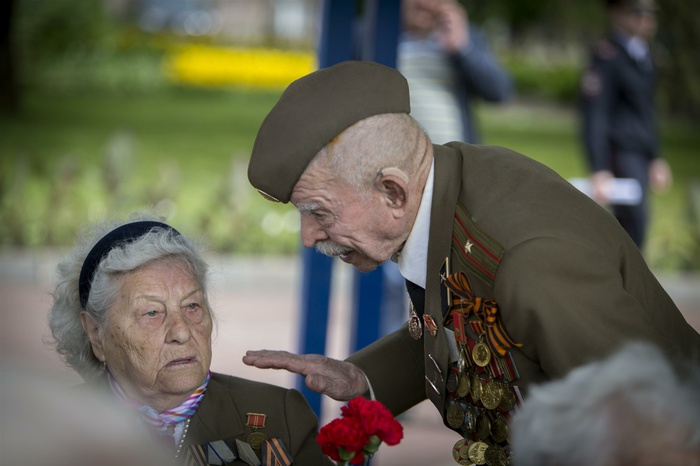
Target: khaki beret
[(311, 112)]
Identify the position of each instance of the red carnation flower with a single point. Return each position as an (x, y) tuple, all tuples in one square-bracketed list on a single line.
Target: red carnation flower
[(346, 434), (357, 435), (376, 419)]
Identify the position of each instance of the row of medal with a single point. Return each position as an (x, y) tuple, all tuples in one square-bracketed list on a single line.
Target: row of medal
[(273, 451), (480, 402)]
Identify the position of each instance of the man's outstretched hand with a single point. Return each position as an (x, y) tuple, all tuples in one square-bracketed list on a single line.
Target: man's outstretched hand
[(339, 380)]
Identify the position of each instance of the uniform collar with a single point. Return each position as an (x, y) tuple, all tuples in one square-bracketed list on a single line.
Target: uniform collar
[(413, 259)]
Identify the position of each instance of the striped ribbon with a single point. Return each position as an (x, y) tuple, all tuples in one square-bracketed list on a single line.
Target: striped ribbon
[(275, 454), (168, 418), (485, 309)]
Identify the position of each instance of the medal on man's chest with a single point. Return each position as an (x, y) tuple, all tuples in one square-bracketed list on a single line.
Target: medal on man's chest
[(256, 421), (415, 327), (480, 391)]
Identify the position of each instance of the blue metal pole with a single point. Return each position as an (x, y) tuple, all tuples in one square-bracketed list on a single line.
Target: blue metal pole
[(315, 300), (336, 44), (379, 43), (382, 28)]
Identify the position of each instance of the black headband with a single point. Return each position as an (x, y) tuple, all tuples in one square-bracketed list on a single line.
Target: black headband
[(122, 234)]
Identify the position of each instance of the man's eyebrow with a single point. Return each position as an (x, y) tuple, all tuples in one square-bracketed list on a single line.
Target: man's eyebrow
[(307, 207)]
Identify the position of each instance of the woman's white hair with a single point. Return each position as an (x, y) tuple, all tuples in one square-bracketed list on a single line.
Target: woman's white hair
[(70, 339)]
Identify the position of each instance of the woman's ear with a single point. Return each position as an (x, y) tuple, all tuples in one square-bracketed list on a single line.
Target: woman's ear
[(393, 183), (93, 332)]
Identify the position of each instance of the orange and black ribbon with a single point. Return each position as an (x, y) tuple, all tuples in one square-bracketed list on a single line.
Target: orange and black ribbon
[(485, 309), (275, 454)]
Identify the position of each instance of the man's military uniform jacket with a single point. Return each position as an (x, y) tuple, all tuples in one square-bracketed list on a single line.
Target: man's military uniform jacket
[(568, 284), (223, 415)]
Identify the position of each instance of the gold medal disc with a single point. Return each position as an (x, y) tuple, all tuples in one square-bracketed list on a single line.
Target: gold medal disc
[(495, 456), (499, 430), (475, 389), (256, 440), (507, 399), (455, 416), (481, 354), (491, 395), (477, 451), (457, 448), (463, 386), (483, 427)]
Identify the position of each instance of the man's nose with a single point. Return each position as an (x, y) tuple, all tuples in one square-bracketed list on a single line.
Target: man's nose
[(311, 231)]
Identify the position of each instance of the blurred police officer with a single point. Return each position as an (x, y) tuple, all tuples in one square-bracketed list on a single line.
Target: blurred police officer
[(619, 121)]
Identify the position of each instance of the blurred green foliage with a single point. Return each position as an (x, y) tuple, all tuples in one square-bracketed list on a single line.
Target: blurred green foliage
[(71, 46), (71, 159), (553, 81), (49, 29)]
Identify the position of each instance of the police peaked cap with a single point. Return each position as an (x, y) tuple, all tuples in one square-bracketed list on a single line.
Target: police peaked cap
[(312, 111), (640, 5)]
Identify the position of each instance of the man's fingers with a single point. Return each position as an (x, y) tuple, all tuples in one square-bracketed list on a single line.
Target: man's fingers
[(338, 389), (317, 383), (267, 359), (339, 380)]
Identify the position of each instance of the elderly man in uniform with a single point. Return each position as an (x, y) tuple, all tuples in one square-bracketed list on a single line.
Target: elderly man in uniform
[(515, 276), (618, 113)]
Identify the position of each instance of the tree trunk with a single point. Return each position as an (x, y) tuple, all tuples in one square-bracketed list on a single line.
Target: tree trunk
[(9, 91)]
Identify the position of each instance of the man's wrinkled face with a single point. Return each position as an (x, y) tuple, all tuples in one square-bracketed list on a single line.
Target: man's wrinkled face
[(157, 341), (339, 222)]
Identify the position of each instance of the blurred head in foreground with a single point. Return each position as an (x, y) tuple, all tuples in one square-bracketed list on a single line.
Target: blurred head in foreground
[(631, 409), (44, 423)]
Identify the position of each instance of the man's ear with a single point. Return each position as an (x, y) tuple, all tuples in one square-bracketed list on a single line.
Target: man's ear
[(93, 333), (393, 183)]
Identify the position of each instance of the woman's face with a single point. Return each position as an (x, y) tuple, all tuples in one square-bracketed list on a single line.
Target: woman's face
[(157, 340)]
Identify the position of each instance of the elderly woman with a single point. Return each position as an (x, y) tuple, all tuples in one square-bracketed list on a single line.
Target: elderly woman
[(131, 316)]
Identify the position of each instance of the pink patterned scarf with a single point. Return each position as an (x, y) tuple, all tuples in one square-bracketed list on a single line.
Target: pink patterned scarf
[(168, 418)]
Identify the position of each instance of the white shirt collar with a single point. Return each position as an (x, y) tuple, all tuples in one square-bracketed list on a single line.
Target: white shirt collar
[(636, 48), (413, 260)]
